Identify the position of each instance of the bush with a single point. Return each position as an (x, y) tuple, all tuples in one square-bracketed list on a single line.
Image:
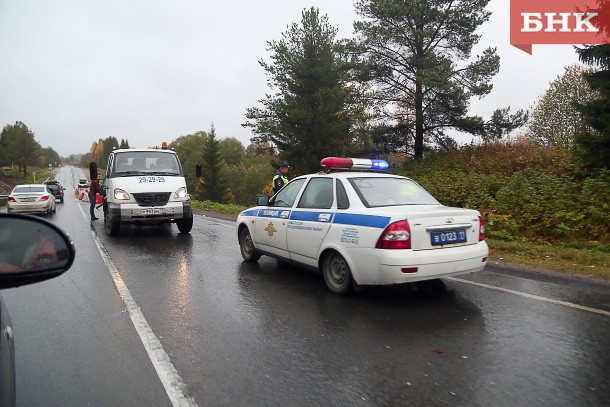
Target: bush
[(524, 191)]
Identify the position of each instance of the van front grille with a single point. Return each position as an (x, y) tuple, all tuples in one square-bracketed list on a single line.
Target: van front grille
[(152, 198)]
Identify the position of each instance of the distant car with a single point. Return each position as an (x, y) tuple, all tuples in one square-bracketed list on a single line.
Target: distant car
[(56, 189), (31, 250), (31, 198), (363, 228), (83, 183)]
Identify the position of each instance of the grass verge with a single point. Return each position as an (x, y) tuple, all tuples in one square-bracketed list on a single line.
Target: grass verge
[(574, 261)]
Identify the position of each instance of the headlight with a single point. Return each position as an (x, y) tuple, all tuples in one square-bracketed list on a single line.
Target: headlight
[(181, 193), (120, 195)]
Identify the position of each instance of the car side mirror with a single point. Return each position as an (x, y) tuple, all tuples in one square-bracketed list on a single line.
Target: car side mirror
[(32, 250), (262, 200)]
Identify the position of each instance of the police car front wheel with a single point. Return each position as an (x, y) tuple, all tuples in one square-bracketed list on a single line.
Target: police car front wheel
[(337, 274), (248, 252)]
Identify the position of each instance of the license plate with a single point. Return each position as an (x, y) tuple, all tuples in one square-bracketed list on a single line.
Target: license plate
[(153, 211), (27, 199), (454, 236)]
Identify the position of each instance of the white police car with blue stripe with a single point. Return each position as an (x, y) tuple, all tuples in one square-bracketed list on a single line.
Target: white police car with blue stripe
[(363, 228)]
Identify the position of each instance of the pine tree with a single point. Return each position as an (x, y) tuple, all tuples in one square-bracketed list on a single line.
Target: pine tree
[(593, 145), (310, 115), (214, 186), (417, 56)]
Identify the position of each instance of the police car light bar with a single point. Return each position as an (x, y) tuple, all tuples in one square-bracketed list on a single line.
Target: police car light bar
[(354, 163)]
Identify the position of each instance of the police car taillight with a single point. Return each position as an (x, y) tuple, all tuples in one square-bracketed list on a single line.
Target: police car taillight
[(395, 236), (481, 229), (353, 163)]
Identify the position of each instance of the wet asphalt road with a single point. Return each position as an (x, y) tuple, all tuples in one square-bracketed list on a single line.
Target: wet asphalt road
[(270, 334)]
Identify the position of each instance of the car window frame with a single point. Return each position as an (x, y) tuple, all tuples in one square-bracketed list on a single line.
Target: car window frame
[(316, 205), (287, 189)]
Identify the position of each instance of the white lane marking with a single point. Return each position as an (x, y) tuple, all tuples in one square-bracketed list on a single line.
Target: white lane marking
[(171, 380), (217, 222), (534, 297)]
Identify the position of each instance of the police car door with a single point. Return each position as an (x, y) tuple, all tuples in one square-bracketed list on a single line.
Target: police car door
[(310, 220), (272, 220)]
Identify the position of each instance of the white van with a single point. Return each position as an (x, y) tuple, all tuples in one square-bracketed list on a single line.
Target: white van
[(145, 186)]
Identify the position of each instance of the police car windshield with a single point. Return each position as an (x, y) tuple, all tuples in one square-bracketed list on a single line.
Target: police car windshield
[(389, 191), (146, 162)]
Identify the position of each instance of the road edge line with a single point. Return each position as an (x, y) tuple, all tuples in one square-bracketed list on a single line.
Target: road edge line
[(534, 297), (172, 382)]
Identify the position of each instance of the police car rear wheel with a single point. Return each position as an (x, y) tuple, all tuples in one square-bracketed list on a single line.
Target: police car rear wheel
[(248, 252), (337, 274)]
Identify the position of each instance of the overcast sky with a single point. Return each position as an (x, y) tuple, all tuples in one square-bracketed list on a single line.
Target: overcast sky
[(153, 70)]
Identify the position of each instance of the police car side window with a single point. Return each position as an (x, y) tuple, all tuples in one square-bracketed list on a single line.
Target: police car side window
[(286, 197), (318, 194), (342, 199)]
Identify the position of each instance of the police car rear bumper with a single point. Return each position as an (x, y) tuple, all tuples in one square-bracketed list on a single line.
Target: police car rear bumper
[(384, 267)]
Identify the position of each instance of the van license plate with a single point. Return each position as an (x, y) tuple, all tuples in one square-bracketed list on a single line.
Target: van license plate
[(153, 211), (455, 236)]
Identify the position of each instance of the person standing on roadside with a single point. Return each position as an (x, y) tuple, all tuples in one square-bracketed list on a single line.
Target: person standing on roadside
[(94, 189), (279, 177)]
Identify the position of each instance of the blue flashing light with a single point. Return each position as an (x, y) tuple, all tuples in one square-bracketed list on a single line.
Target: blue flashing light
[(379, 165)]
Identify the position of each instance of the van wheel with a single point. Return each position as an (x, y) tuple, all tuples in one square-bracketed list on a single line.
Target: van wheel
[(111, 225), (246, 246), (337, 274), (185, 225)]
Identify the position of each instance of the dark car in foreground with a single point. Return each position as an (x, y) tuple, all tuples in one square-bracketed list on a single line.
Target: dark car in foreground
[(56, 189), (31, 250)]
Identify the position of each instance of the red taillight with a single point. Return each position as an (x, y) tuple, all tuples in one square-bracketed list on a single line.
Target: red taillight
[(44, 198), (11, 199), (481, 229), (396, 236)]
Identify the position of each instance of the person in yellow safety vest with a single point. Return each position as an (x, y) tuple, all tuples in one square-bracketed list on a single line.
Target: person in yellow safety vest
[(279, 178)]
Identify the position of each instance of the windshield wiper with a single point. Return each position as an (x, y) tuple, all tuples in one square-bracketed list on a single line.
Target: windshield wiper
[(161, 173), (126, 173)]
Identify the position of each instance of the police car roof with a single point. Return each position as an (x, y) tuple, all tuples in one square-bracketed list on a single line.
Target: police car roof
[(353, 174)]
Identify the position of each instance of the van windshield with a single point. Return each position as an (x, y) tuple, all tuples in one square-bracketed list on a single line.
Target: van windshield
[(147, 162)]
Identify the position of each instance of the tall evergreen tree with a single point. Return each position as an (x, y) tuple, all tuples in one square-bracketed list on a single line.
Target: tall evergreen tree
[(214, 186), (311, 113), (416, 53), (593, 145)]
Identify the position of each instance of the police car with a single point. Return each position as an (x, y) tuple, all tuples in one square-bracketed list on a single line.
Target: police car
[(363, 228)]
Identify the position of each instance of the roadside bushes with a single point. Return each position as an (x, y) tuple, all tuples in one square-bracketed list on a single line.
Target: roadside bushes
[(524, 191)]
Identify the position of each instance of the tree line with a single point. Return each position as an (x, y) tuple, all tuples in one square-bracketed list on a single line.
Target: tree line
[(18, 146)]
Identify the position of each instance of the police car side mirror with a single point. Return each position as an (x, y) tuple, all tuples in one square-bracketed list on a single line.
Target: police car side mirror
[(262, 200)]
